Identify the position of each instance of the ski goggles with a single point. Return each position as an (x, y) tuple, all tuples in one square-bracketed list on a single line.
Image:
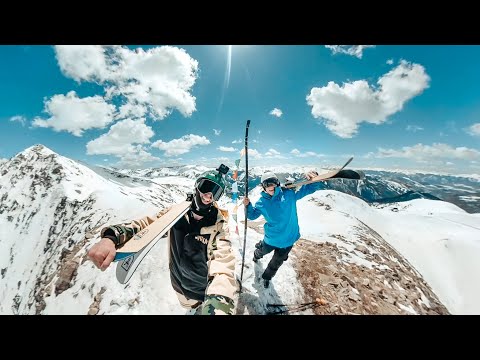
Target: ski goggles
[(270, 182), (206, 186)]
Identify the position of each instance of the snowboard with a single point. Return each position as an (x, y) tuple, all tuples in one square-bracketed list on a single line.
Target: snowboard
[(339, 173), (130, 255)]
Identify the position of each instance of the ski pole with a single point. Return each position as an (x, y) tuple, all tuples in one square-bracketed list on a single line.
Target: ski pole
[(246, 195)]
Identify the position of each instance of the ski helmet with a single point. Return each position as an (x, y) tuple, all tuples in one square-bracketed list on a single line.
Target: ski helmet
[(209, 182), (269, 178)]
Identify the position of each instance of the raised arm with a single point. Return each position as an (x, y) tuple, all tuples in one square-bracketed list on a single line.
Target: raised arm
[(112, 237), (309, 188)]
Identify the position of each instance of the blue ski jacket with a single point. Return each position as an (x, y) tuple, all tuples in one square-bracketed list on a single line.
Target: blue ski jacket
[(280, 213)]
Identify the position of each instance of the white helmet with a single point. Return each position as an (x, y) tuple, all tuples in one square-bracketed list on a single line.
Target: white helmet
[(269, 178)]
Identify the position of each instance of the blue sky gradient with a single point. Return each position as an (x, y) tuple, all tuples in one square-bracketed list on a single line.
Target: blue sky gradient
[(394, 107)]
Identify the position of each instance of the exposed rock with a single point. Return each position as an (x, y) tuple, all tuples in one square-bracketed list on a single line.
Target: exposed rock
[(356, 289), (65, 276), (97, 299), (92, 311), (362, 249)]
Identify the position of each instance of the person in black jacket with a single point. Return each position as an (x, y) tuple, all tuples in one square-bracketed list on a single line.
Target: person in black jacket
[(202, 262)]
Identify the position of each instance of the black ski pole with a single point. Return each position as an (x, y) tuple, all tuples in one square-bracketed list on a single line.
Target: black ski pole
[(246, 195)]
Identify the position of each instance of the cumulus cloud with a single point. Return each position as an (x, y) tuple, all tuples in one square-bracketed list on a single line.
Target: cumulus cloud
[(353, 50), (217, 132), (19, 118), (298, 153), (120, 138), (75, 115), (156, 80), (252, 153), (124, 140), (474, 130), (390, 61), (181, 146), (344, 108), (426, 152), (276, 112), (85, 62), (272, 153), (136, 158), (129, 110), (227, 149)]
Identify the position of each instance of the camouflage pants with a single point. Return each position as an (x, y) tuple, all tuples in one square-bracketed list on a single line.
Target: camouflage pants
[(279, 256), (214, 305)]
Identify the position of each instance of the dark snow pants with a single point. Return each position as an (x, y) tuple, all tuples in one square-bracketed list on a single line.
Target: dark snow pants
[(279, 256)]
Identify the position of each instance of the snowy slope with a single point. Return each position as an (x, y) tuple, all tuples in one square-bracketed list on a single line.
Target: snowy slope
[(413, 257), (48, 204)]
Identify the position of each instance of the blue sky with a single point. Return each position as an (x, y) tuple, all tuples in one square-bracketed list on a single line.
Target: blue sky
[(407, 107)]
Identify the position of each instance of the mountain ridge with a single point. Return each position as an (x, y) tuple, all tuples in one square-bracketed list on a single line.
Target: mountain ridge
[(53, 208)]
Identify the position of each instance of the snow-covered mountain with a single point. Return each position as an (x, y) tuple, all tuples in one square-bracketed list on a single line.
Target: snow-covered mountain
[(379, 186), (50, 206), (188, 171), (388, 187), (412, 257)]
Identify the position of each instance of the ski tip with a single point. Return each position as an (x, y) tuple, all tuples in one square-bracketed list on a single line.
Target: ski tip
[(121, 256)]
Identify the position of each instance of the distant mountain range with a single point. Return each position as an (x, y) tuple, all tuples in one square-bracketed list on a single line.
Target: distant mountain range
[(377, 187)]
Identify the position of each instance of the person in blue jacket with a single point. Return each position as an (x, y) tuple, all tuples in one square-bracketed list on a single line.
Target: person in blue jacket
[(278, 205)]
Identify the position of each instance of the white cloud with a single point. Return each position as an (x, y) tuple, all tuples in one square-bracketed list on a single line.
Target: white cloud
[(136, 158), (353, 50), (239, 141), (222, 159), (120, 138), (276, 112), (129, 110), (73, 114), (474, 130), (217, 132), (181, 146), (227, 149), (390, 61), (414, 128), (157, 80), (272, 153), (299, 154), (19, 118), (344, 108), (426, 152), (85, 62), (252, 153)]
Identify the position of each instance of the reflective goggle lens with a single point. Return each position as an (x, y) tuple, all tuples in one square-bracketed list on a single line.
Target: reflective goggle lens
[(208, 186), (270, 181)]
